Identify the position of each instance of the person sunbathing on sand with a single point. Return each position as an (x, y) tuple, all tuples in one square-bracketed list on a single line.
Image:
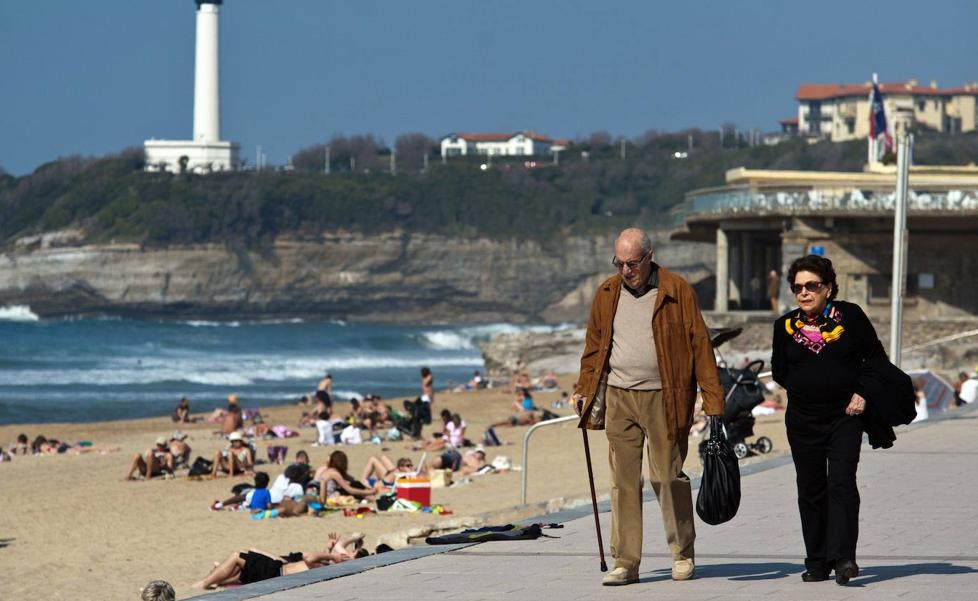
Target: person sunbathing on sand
[(252, 565), (238, 458), (523, 418), (335, 480), (182, 411), (474, 462), (179, 449), (21, 447), (233, 420), (381, 473), (439, 440), (157, 462)]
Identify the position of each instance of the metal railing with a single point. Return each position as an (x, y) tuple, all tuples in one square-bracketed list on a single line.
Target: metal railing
[(526, 448), (735, 199)]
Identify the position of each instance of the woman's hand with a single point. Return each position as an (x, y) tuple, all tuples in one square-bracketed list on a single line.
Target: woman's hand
[(856, 406)]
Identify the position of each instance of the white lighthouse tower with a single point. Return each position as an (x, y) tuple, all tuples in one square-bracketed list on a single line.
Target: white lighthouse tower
[(206, 153)]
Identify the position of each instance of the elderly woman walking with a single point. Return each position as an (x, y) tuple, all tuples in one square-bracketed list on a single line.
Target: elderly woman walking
[(820, 350)]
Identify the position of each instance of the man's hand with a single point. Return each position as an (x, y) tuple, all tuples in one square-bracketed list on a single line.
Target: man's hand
[(856, 406), (579, 400)]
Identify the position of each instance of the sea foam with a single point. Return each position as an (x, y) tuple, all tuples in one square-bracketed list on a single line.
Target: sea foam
[(17, 313)]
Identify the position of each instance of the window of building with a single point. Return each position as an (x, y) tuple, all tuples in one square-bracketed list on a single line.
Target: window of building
[(815, 117), (851, 125), (921, 105), (879, 289)]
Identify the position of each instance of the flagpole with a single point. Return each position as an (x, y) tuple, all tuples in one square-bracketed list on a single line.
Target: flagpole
[(899, 282), (873, 156)]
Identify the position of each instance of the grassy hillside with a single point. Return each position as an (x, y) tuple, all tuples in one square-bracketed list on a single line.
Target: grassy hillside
[(113, 199)]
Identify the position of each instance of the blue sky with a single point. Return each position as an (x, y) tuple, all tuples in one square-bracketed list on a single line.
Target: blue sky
[(94, 77)]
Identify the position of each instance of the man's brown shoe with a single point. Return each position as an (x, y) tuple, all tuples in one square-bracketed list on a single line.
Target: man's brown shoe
[(620, 577), (683, 569)]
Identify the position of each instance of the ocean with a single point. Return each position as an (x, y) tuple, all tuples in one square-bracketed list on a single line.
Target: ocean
[(93, 369)]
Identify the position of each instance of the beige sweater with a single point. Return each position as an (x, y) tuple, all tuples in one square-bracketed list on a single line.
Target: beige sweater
[(633, 364)]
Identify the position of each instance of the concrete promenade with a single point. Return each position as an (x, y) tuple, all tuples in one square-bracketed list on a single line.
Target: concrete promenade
[(918, 540)]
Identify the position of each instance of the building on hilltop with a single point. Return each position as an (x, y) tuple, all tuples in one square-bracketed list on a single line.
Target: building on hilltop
[(206, 152), (840, 112), (520, 144)]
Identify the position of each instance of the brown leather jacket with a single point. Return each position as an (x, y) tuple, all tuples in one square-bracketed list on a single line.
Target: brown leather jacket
[(682, 345)]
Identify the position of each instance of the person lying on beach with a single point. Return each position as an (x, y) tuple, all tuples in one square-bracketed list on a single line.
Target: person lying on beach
[(44, 446), (523, 418), (21, 446), (287, 493), (237, 458), (252, 565), (182, 411), (217, 416), (380, 472), (449, 460), (334, 479), (474, 462), (256, 498), (158, 590), (158, 461)]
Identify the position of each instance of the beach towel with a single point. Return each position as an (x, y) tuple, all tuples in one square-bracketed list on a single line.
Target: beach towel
[(283, 431), (491, 533)]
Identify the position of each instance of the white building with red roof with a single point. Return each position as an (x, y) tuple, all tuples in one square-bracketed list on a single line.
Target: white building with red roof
[(520, 144), (840, 112)]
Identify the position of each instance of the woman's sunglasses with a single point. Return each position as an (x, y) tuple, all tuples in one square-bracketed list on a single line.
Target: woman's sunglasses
[(810, 286)]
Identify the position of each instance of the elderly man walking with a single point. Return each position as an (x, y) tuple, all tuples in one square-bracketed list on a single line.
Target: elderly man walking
[(645, 350)]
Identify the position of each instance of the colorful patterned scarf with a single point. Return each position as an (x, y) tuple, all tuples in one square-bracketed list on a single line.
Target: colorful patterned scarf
[(815, 333)]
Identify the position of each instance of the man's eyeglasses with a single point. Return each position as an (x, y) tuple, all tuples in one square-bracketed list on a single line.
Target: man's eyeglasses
[(810, 286), (632, 265)]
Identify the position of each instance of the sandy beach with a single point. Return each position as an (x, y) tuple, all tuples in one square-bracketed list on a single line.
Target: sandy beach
[(73, 529)]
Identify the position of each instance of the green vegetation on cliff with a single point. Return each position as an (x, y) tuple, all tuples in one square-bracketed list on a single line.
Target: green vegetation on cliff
[(113, 199)]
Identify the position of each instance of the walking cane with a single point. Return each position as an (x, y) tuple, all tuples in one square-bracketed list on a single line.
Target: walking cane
[(594, 499)]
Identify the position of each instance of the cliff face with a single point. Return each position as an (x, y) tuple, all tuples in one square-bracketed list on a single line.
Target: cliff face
[(387, 277)]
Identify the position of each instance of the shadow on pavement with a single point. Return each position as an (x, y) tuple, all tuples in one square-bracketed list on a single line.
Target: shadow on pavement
[(740, 572), (874, 574)]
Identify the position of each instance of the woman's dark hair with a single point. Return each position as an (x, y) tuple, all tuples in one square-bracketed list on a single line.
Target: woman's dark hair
[(302, 454), (36, 445), (261, 480), (339, 462), (446, 414), (298, 473), (820, 266), (22, 438), (425, 372)]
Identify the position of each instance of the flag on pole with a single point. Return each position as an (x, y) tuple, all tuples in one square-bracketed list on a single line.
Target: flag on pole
[(877, 118)]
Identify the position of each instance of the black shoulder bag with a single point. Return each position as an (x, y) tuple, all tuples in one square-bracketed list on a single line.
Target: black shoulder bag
[(719, 495)]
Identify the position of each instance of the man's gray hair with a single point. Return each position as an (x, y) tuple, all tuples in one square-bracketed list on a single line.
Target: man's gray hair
[(633, 234), (158, 590), (646, 243)]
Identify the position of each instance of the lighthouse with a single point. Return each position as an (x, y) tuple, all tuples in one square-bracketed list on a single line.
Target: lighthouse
[(206, 152)]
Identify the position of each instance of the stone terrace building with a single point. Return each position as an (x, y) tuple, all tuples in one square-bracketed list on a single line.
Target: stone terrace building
[(762, 220)]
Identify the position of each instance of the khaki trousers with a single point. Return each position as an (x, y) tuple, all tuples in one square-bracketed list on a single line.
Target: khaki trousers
[(634, 416)]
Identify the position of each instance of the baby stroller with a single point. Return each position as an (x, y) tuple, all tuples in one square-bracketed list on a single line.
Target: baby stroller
[(742, 392)]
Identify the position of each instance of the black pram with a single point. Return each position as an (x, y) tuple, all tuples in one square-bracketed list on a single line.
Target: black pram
[(742, 392)]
